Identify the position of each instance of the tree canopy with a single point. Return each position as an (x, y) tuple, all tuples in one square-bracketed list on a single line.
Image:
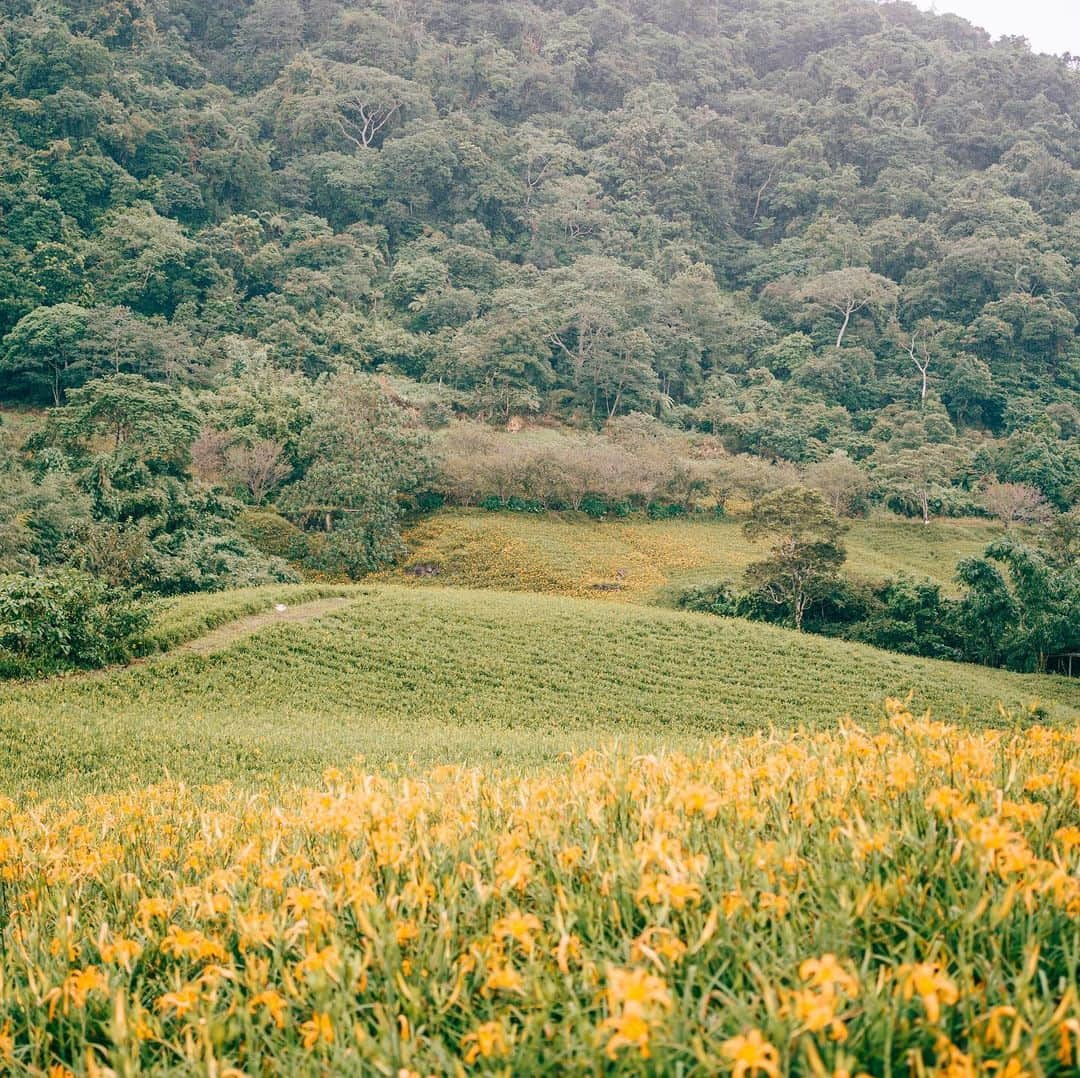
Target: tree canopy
[(833, 234)]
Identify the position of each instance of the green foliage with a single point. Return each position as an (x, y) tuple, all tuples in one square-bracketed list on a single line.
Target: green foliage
[(54, 349), (66, 620), (805, 552), (273, 534), (363, 455), (1048, 463), (130, 422), (120, 450), (579, 210), (1019, 608), (719, 599), (909, 616)]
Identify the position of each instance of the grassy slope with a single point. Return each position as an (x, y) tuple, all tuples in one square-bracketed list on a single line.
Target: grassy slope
[(572, 555), (447, 674), (191, 616)]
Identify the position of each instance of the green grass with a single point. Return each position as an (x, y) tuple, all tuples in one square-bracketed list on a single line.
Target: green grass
[(651, 561), (190, 616), (432, 675)]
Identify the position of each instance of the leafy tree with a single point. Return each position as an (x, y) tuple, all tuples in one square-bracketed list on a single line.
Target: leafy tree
[(127, 445), (67, 620), (147, 262), (846, 292), (269, 34), (1060, 538), (1039, 458), (805, 553), (324, 104), (1018, 607), (257, 401), (42, 352), (39, 516), (911, 617), (927, 345), (54, 349), (921, 478), (131, 418), (969, 392), (362, 455), (504, 359)]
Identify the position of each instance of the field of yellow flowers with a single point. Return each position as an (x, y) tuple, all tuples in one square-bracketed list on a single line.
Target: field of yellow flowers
[(902, 901)]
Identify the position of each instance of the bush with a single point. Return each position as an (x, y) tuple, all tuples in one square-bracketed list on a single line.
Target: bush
[(270, 533), (428, 501), (665, 510), (524, 505), (211, 562), (594, 505), (719, 599), (67, 620), (910, 617)]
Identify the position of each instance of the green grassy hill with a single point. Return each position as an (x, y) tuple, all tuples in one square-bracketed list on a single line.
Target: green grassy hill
[(447, 674), (644, 560)]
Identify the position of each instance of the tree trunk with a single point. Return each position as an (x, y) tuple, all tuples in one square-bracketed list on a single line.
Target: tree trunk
[(843, 328)]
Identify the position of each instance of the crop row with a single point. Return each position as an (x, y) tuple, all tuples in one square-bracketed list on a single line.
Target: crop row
[(445, 674)]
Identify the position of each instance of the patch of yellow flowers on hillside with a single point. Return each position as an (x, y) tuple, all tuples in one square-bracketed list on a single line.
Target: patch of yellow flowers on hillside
[(821, 904)]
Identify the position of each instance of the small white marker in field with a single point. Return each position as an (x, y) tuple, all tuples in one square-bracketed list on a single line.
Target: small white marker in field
[(280, 608)]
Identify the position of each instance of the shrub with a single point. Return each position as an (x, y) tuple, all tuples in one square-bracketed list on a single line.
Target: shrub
[(911, 617), (270, 533), (719, 599), (524, 505), (594, 505), (67, 620), (665, 510), (428, 501), (210, 562)]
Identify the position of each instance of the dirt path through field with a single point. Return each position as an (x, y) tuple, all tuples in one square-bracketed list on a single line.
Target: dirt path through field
[(225, 635)]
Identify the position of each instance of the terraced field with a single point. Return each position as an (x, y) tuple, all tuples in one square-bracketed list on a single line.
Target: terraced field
[(436, 675), (650, 561)]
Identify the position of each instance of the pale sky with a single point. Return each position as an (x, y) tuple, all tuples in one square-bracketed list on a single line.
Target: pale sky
[(1050, 25)]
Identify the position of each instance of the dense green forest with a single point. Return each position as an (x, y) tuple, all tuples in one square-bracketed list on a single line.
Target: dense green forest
[(802, 238)]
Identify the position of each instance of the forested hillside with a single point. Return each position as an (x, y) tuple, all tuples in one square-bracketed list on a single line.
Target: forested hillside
[(809, 230)]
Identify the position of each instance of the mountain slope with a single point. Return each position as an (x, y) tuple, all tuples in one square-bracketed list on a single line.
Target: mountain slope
[(581, 208)]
